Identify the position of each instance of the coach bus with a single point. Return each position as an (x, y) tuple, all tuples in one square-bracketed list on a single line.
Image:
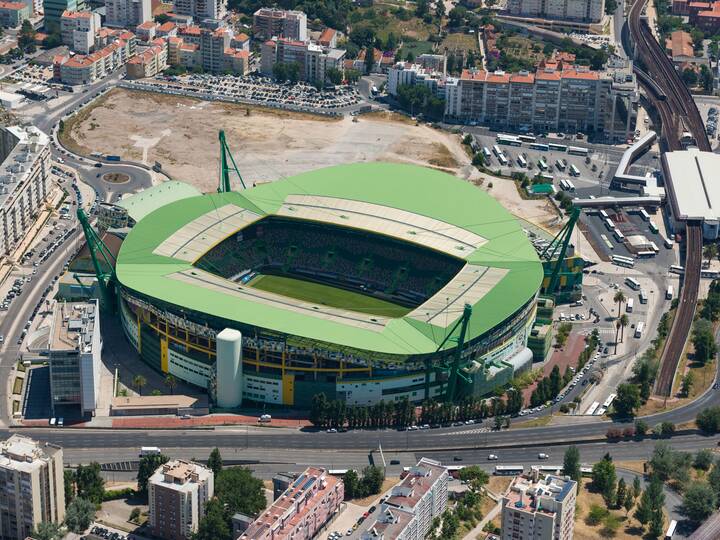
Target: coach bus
[(671, 530), (634, 284), (577, 151), (591, 410), (644, 215), (601, 410), (558, 147), (676, 269), (620, 237), (509, 140), (643, 296), (609, 225), (542, 164), (669, 292), (527, 138), (609, 400), (496, 150), (502, 159), (509, 470), (653, 227), (608, 243), (620, 260), (548, 469), (604, 214), (560, 164), (574, 171), (486, 152), (667, 242), (546, 178), (629, 305), (539, 146), (639, 329), (522, 161), (646, 254)]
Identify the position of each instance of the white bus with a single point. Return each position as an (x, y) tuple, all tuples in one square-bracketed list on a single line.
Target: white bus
[(486, 152), (527, 138), (667, 242), (653, 227), (639, 329), (508, 139), (671, 530), (609, 225), (574, 171), (571, 186), (539, 146), (609, 400), (646, 254), (634, 284), (560, 164), (502, 159), (619, 260), (654, 247), (608, 243), (629, 305), (644, 215), (542, 164), (669, 292), (643, 296), (546, 178), (577, 151), (149, 451), (591, 410), (601, 410), (509, 470), (676, 269), (496, 150), (620, 237), (604, 214), (522, 161)]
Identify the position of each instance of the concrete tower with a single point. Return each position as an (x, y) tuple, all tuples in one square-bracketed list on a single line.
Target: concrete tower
[(229, 368)]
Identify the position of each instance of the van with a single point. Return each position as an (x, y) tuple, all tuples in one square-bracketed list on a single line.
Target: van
[(149, 451), (265, 418)]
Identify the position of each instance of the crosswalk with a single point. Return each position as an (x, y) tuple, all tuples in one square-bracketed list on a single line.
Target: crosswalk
[(475, 431)]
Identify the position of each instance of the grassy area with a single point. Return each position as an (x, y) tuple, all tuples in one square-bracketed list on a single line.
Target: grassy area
[(537, 422), (459, 42), (518, 53), (416, 48), (15, 406), (325, 295), (17, 385)]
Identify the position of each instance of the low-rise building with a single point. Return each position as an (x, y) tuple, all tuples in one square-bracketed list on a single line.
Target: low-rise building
[(146, 31), (150, 62), (679, 46), (328, 38), (538, 508), (78, 30), (88, 68), (411, 506), (31, 486), (241, 42), (167, 29), (301, 511), (12, 14), (177, 494), (705, 15), (74, 347)]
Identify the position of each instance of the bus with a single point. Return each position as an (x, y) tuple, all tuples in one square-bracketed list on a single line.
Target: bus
[(671, 530), (577, 151), (527, 138), (548, 469), (676, 269), (667, 242), (639, 329), (646, 254), (564, 185), (653, 227), (539, 146), (522, 161), (558, 147), (496, 150), (619, 260), (509, 140), (643, 296), (560, 164), (502, 159), (608, 243), (654, 247), (586, 471), (574, 171), (546, 178), (609, 400), (486, 152), (571, 186), (634, 284), (669, 292), (592, 408), (509, 470), (542, 164), (604, 214), (620, 237), (629, 305), (609, 225), (601, 410), (454, 470), (644, 215)]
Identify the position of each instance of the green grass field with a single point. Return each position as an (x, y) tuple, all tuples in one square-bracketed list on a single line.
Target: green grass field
[(325, 295)]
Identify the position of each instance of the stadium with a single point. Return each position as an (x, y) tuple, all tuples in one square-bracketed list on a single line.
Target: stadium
[(352, 280)]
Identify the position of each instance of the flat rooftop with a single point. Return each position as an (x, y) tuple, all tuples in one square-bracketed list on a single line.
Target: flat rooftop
[(691, 177), (73, 326)]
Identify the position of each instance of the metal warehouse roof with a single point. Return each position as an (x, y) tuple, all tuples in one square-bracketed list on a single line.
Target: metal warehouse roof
[(692, 177), (502, 274)]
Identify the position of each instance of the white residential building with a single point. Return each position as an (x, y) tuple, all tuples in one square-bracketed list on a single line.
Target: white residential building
[(314, 59), (31, 486), (127, 13), (200, 9), (590, 11), (78, 29), (405, 73), (538, 508), (177, 495), (271, 22)]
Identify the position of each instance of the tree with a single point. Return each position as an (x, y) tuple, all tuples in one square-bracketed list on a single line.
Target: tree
[(79, 514), (627, 400), (637, 490), (47, 530), (704, 341), (699, 502), (215, 461), (641, 427), (450, 526), (714, 479), (138, 382), (147, 467), (651, 504), (710, 251), (440, 10), (708, 420), (571, 463), (352, 482), (474, 476), (604, 478), (629, 503), (704, 459), (555, 381), (372, 480), (619, 298), (69, 482), (89, 482), (171, 382), (214, 525), (352, 76), (238, 491), (687, 383), (689, 77), (624, 321), (706, 78), (26, 39), (369, 59), (622, 493), (334, 75), (664, 461)]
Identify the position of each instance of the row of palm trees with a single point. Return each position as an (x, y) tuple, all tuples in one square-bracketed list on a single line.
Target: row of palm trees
[(139, 382), (622, 320)]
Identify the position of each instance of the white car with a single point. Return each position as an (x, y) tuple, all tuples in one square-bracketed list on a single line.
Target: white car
[(541, 455), (492, 457)]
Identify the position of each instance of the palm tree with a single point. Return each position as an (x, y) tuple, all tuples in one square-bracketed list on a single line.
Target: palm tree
[(710, 251), (619, 298), (624, 321), (138, 382), (171, 383)]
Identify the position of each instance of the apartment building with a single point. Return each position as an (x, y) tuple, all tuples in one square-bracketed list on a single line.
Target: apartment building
[(271, 22), (74, 346), (406, 73), (588, 11), (555, 98), (210, 50), (31, 486), (12, 14), (538, 508), (127, 13), (411, 506), (54, 9), (146, 31), (314, 60), (78, 29), (301, 511), (705, 15), (177, 494), (24, 182), (200, 9), (150, 62), (88, 68)]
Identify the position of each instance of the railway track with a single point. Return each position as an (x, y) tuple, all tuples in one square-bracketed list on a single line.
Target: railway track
[(678, 113)]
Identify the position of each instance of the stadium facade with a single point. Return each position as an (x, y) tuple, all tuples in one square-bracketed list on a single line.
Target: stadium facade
[(345, 280)]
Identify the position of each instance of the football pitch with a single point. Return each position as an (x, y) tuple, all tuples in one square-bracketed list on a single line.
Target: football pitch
[(307, 291)]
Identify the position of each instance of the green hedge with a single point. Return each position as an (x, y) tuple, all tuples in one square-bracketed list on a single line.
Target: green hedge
[(113, 494)]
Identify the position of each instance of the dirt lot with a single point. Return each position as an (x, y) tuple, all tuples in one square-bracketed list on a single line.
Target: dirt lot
[(267, 144)]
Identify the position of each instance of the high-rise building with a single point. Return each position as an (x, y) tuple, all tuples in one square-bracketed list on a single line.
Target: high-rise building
[(589, 11), (200, 9), (127, 13), (31, 486), (538, 508), (411, 506), (54, 9), (78, 29), (271, 22), (74, 357), (177, 495), (207, 49), (313, 59)]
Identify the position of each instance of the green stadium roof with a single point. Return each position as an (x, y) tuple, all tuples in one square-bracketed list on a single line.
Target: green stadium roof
[(141, 204), (414, 189)]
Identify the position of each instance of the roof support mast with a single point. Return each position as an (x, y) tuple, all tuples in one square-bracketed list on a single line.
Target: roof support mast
[(97, 249), (225, 169), (560, 242)]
